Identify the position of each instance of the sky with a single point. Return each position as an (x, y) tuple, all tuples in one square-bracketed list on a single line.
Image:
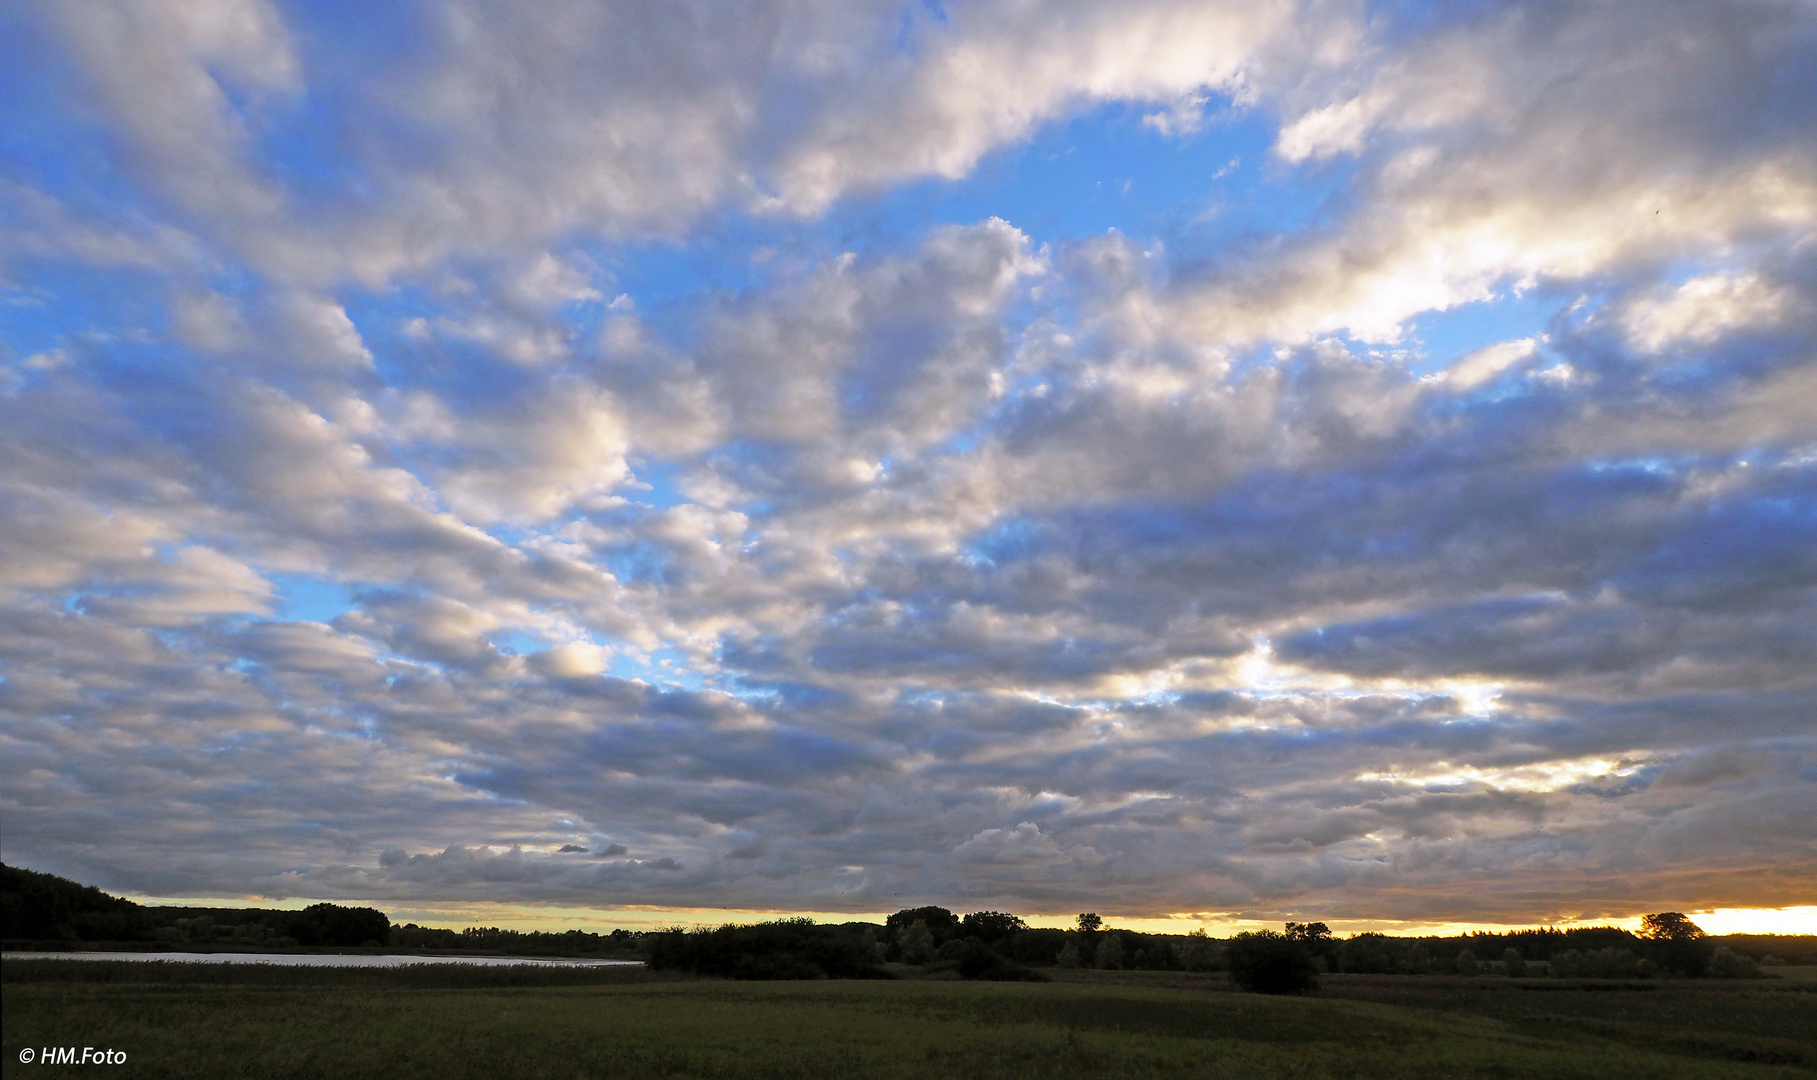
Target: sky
[(1203, 462)]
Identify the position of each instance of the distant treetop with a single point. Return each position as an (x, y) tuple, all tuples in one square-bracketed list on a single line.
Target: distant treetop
[(936, 918), (1669, 926)]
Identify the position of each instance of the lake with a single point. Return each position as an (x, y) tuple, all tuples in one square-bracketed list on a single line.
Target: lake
[(315, 959)]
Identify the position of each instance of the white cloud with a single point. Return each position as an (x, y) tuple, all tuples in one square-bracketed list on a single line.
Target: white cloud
[(1484, 364), (1705, 309)]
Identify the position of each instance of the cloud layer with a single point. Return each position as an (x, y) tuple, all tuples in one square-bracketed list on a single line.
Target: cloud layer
[(527, 454)]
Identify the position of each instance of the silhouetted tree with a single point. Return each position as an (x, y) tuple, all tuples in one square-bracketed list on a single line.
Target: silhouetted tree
[(1514, 964), (1669, 926), (332, 924), (1675, 942), (1089, 922), (1316, 936), (1270, 963), (939, 921), (991, 927)]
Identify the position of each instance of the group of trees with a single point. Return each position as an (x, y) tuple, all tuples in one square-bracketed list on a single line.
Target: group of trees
[(933, 934), (988, 945), (1668, 943), (980, 945), (47, 908), (491, 939), (784, 949)]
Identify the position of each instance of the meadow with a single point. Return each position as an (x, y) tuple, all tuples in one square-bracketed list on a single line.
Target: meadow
[(183, 1020)]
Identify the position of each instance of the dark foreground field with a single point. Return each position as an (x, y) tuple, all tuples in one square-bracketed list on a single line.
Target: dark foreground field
[(186, 1021)]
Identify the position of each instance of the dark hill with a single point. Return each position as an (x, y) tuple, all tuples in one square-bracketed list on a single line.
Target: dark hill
[(48, 909)]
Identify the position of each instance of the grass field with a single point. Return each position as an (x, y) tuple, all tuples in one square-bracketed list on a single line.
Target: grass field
[(179, 1021)]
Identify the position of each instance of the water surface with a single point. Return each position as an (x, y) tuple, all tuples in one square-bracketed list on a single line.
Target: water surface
[(318, 959)]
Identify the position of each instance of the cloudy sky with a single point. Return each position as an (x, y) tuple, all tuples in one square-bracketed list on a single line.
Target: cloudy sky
[(1250, 459)]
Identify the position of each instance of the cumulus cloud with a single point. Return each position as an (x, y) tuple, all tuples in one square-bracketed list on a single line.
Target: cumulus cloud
[(573, 481)]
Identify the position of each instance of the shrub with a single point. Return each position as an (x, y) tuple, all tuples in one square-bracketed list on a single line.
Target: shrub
[(1727, 964), (1514, 964), (977, 961), (1269, 963), (1069, 956), (1466, 963), (1599, 964)]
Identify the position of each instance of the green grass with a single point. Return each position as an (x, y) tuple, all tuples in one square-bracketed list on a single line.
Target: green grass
[(631, 1023)]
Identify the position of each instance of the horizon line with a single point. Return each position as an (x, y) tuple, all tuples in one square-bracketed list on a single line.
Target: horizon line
[(1795, 920)]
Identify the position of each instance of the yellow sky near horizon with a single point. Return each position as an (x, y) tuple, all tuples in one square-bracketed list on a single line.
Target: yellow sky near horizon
[(1800, 919)]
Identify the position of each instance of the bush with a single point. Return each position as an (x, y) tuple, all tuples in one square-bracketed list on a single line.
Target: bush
[(1600, 964), (978, 962), (1727, 964), (1514, 964), (1265, 962), (1466, 963)]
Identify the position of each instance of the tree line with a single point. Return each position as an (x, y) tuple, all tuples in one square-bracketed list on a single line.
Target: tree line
[(934, 942), (997, 945), (46, 909)]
